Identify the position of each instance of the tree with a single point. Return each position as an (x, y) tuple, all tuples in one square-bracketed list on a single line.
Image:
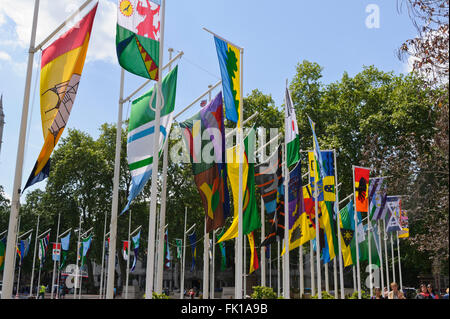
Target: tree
[(430, 191)]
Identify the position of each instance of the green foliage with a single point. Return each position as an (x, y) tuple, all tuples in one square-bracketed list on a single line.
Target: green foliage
[(364, 295), (261, 292), (159, 296), (325, 295)]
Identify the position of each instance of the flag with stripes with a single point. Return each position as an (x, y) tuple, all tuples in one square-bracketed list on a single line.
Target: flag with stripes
[(141, 129), (377, 198), (43, 245)]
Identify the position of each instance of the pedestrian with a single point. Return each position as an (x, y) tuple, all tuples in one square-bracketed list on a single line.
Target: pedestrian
[(446, 294), (41, 292), (423, 293), (191, 293), (378, 294), (395, 293), (431, 292)]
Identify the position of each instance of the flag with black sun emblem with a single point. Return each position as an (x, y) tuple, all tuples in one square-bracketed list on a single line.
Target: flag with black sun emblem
[(361, 184)]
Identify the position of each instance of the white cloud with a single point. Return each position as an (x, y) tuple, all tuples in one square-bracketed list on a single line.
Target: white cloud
[(5, 56), (51, 14)]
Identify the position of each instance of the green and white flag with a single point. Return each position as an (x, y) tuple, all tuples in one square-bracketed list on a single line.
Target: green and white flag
[(141, 130), (291, 131), (138, 37)]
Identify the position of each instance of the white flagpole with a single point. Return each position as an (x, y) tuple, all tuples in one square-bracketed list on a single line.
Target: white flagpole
[(152, 214), (213, 263), (301, 272), (184, 257), (115, 198), (162, 210), (263, 224), (386, 260), (8, 271), (327, 283), (278, 269), (311, 268), (316, 209), (128, 256), (76, 268), (54, 261), (205, 264), (358, 271), (393, 262), (381, 257), (286, 288), (399, 263), (355, 288), (244, 272), (338, 226), (238, 279), (34, 256), (103, 257)]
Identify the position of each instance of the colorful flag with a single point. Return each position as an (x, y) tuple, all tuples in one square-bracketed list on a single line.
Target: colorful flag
[(326, 199), (296, 207), (317, 153), (254, 263), (135, 240), (43, 245), (252, 219), (393, 204), (85, 246), (377, 197), (229, 62), (223, 260), (141, 129), (347, 232), (291, 131), (22, 250), (361, 188), (374, 248), (61, 67), (167, 257), (179, 243), (64, 247), (267, 182), (138, 37), (307, 218), (404, 224), (193, 240), (56, 253), (125, 250), (276, 214), (209, 174), (2, 252)]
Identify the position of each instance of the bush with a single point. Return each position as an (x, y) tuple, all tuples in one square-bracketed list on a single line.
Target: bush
[(261, 292), (159, 296), (364, 295), (325, 295)]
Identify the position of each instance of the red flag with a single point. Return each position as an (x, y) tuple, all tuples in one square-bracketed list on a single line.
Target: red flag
[(361, 188)]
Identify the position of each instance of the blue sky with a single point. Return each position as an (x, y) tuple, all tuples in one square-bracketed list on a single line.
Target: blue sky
[(275, 35)]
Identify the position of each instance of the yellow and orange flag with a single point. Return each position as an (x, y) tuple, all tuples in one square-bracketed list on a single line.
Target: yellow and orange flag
[(61, 67)]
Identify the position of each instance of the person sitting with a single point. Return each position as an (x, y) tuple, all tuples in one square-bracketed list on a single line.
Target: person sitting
[(395, 293)]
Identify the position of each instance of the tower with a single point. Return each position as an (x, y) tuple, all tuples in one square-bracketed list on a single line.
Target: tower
[(2, 121)]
